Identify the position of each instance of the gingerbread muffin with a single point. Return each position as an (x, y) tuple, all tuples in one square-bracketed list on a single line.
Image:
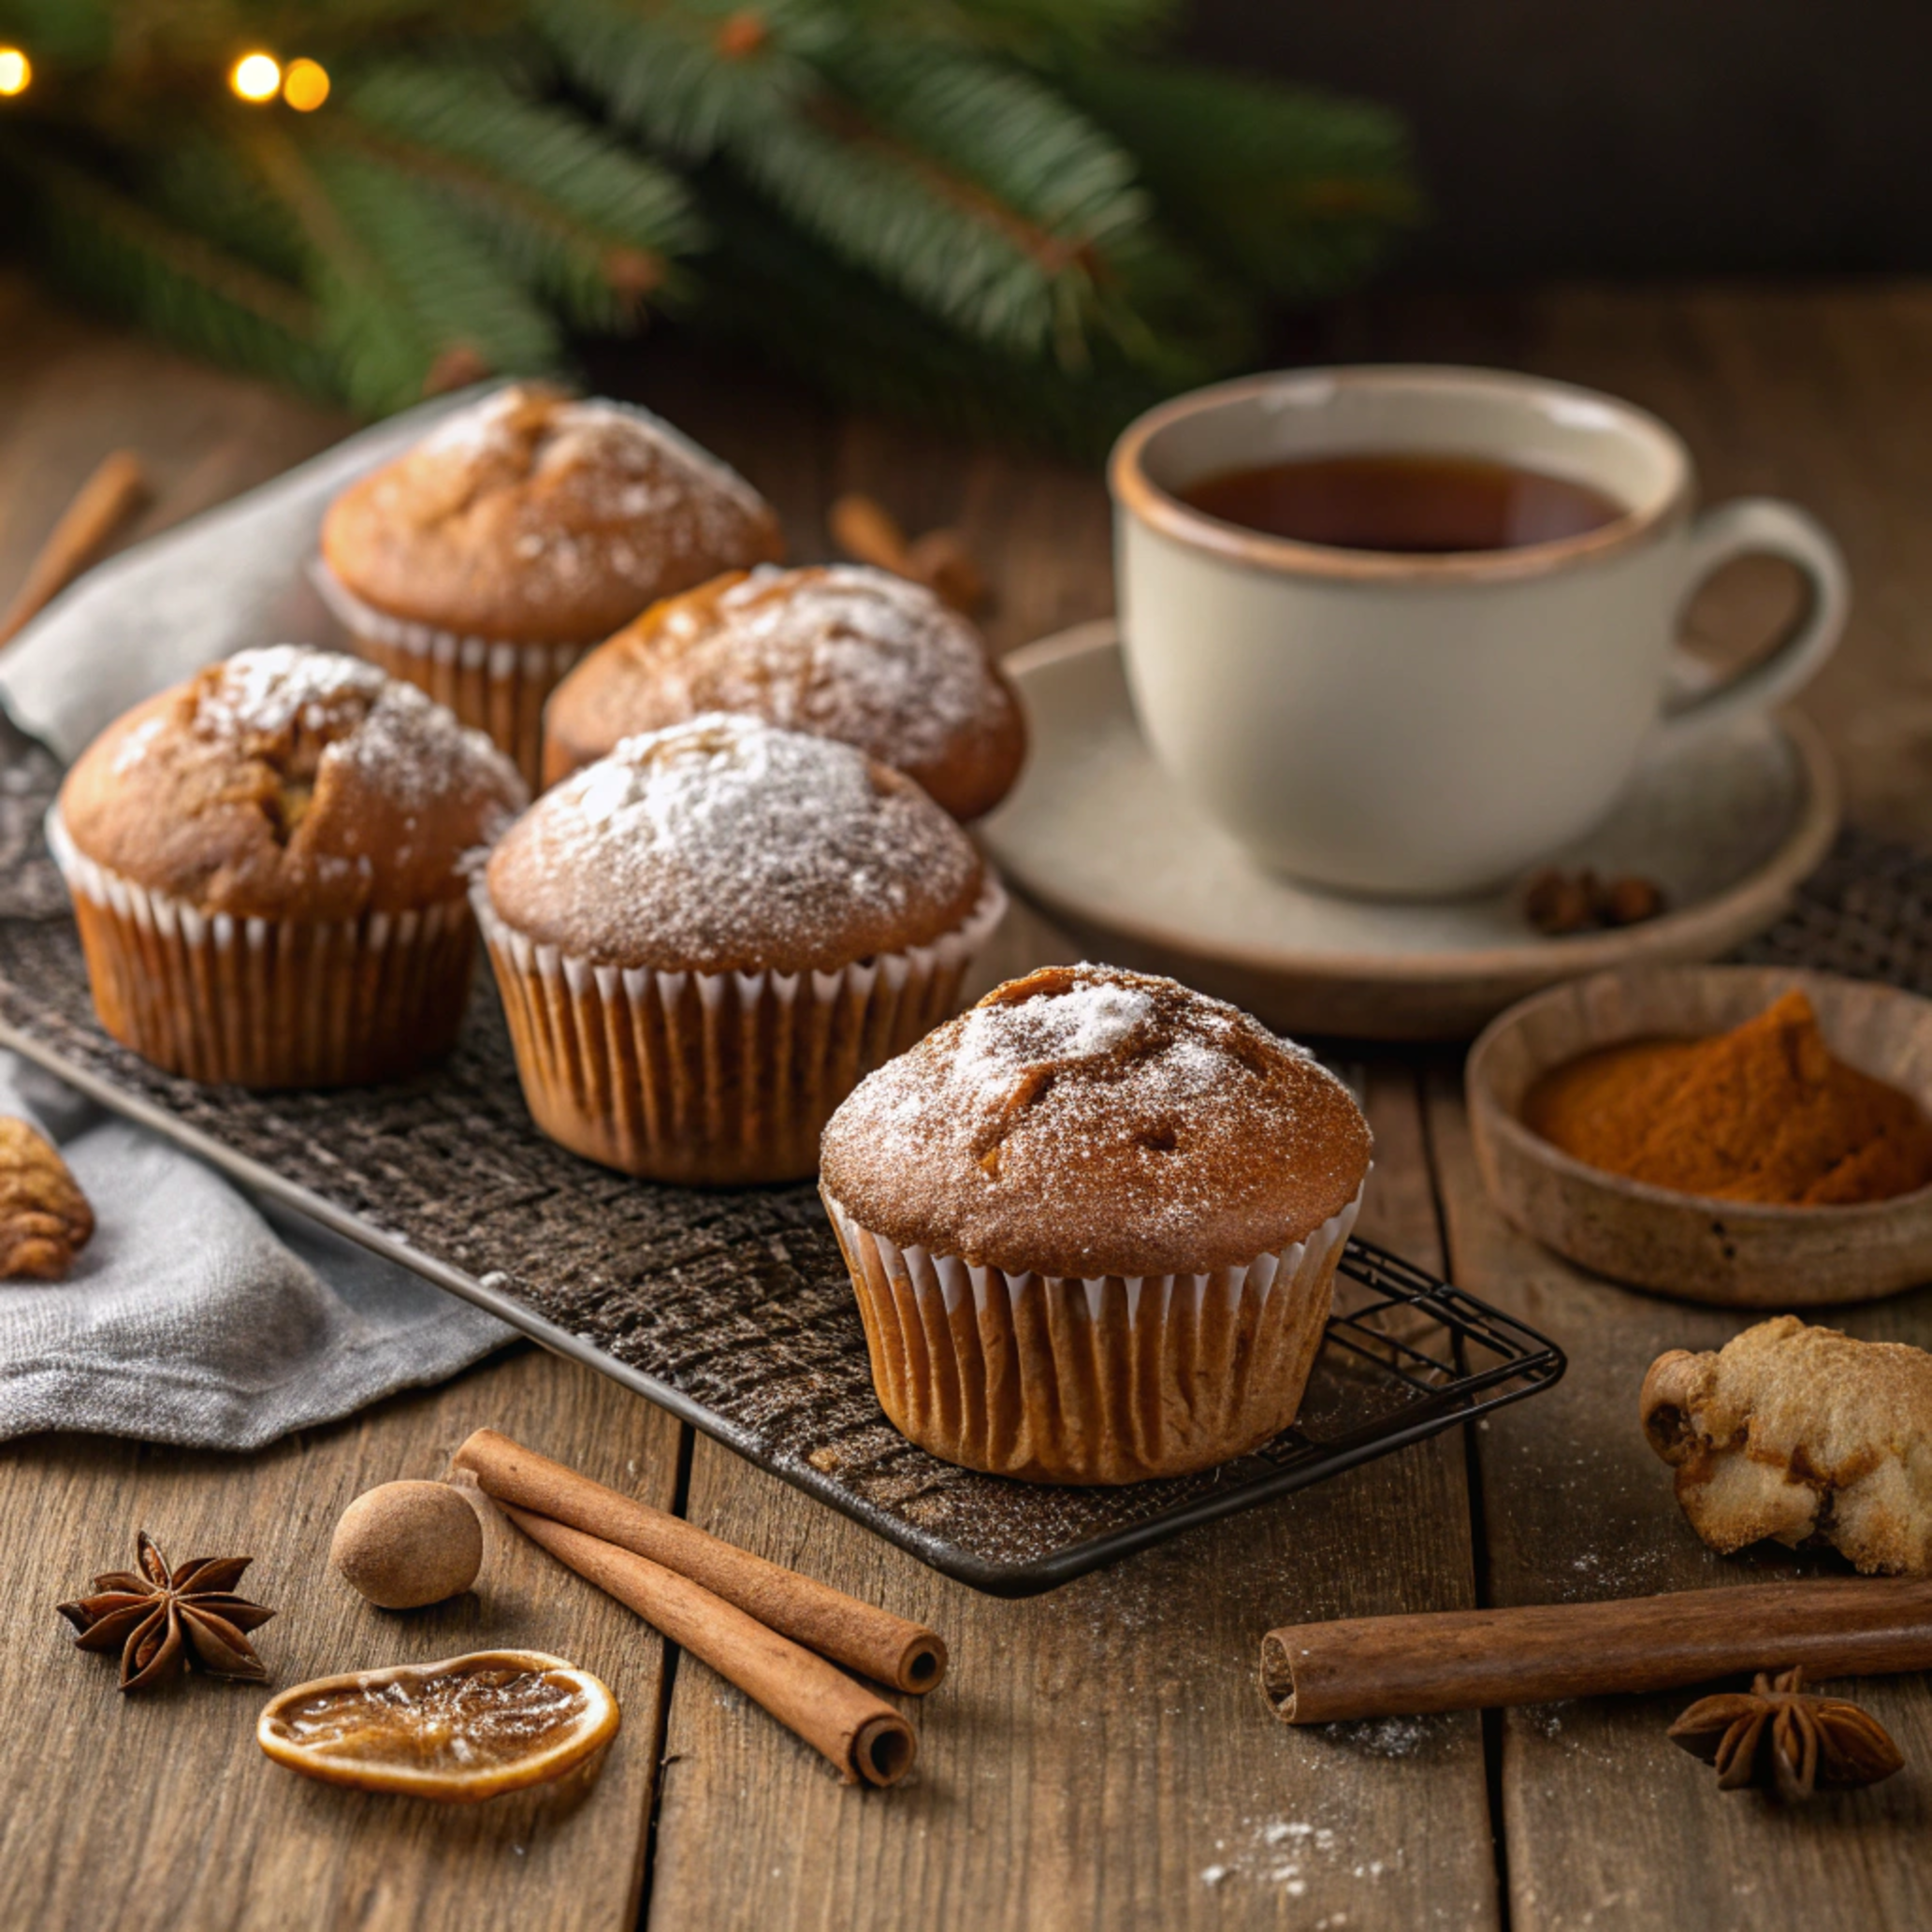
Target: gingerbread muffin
[(1093, 1225), (268, 864), (845, 652), (484, 562), (706, 938)]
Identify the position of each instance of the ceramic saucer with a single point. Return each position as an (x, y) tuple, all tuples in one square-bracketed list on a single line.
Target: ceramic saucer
[(1099, 838)]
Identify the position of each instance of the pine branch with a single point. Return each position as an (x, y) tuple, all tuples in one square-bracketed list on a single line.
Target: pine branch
[(401, 287), (682, 76), (999, 129), (199, 180), (579, 217), (1003, 211), (114, 252), (768, 286), (1296, 191)]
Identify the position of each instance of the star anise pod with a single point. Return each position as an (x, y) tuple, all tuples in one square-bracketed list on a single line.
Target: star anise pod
[(1778, 1736), (167, 1620)]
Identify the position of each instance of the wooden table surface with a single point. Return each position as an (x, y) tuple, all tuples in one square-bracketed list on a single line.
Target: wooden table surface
[(1100, 1757)]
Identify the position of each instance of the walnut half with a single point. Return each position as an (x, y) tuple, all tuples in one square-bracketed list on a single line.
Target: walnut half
[(1803, 1435), (44, 1217)]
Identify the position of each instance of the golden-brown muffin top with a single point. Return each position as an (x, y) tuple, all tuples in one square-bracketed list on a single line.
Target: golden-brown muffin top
[(534, 519), (851, 653), (1087, 1121), (726, 844), (290, 783)]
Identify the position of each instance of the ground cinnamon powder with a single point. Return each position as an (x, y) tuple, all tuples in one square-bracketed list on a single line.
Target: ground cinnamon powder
[(1763, 1113)]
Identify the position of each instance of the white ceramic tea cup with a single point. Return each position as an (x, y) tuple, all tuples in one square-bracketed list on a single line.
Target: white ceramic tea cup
[(1427, 724)]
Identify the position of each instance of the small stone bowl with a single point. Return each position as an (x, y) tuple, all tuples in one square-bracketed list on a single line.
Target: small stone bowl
[(1731, 1253)]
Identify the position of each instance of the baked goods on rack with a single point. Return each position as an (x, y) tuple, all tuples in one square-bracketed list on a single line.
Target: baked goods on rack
[(851, 653), (705, 940), (267, 864), (482, 563), (1093, 1225), (1801, 1434)]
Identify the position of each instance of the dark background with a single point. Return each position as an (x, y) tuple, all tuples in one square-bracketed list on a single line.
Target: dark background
[(1645, 137)]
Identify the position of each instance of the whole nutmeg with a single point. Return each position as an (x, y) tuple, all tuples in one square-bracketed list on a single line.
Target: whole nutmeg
[(403, 1544)]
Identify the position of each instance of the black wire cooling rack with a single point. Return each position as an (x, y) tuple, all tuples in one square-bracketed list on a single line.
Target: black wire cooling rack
[(728, 1307)]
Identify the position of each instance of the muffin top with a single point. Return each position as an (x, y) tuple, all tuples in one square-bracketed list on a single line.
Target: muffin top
[(840, 650), (535, 518), (726, 844), (1086, 1121), (290, 783)]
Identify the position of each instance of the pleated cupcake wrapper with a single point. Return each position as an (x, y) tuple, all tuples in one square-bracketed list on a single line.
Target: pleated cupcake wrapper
[(1108, 1379), (268, 1002), (713, 1077), (497, 684)]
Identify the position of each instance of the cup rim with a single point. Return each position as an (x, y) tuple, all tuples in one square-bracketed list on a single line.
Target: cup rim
[(1136, 492)]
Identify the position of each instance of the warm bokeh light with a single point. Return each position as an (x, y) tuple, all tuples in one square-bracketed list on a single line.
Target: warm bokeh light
[(16, 70), (305, 86), (256, 77)]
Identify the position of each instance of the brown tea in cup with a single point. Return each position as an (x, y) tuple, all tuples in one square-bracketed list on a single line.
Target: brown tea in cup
[(1388, 501)]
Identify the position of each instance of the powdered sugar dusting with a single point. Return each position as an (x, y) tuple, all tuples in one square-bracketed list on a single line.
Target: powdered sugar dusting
[(134, 747), (401, 742), (726, 837), (267, 691), (630, 442), (1189, 1129), (846, 651), (997, 1043)]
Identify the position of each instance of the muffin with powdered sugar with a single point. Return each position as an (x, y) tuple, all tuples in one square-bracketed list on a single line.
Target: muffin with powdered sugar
[(484, 562), (267, 865), (703, 940), (1093, 1225), (840, 650)]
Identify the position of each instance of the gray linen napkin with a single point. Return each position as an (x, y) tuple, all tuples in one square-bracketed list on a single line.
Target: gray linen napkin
[(196, 1316)]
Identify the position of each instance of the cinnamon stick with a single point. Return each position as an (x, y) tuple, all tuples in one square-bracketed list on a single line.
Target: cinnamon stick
[(1468, 1659), (864, 528), (887, 1648), (861, 1733), (117, 490)]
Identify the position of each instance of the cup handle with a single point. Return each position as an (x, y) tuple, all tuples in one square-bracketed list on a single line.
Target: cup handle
[(1755, 527)]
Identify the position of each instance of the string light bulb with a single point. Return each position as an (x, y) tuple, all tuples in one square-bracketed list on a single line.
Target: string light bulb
[(256, 77), (16, 71), (305, 85)]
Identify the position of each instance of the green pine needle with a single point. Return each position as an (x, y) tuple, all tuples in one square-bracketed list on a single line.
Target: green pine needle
[(173, 281), (401, 288), (590, 223), (1296, 191), (666, 72)]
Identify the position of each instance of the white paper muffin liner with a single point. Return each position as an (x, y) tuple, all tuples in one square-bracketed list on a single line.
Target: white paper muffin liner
[(714, 1078), (498, 685), (1114, 1379), (268, 1002)]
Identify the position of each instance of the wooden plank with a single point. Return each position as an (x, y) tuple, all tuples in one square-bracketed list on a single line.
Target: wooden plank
[(159, 1810), (1608, 1824), (1102, 1757), (1816, 394), (78, 388)]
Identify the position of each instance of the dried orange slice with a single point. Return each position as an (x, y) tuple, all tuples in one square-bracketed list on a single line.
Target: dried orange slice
[(460, 1731)]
